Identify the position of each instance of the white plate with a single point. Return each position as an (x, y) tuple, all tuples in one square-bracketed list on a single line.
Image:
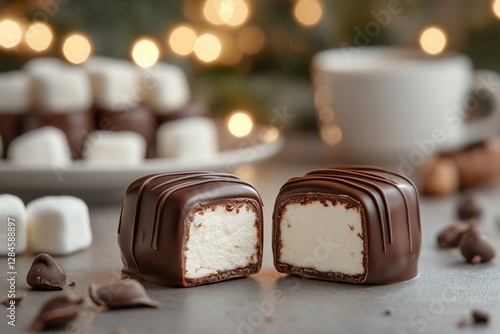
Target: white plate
[(263, 142)]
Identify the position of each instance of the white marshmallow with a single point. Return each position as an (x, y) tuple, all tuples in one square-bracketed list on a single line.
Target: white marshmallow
[(115, 83), (189, 138), (114, 148), (221, 240), (65, 90), (336, 236), (15, 92), (166, 87), (58, 225), (12, 215), (41, 147), (43, 65)]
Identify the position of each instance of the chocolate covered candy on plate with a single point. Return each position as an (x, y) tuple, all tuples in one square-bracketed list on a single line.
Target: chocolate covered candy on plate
[(348, 224), (15, 102), (63, 99), (190, 228)]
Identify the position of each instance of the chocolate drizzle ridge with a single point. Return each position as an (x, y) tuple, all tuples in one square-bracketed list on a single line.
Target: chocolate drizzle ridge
[(392, 196)]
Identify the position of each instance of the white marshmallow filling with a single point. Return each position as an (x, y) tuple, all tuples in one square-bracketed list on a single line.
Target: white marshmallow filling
[(221, 238), (323, 235)]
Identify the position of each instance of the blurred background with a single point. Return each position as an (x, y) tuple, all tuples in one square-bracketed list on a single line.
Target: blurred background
[(241, 54)]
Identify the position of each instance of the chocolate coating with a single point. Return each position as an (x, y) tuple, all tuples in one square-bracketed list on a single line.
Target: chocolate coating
[(10, 128), (76, 126), (390, 217), (139, 119), (154, 226)]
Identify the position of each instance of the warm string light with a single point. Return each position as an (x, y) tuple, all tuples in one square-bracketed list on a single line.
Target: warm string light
[(39, 36), (207, 48), (229, 12), (433, 40), (251, 40), (182, 40), (495, 6), (145, 52), (240, 124), (308, 12), (77, 48), (11, 33)]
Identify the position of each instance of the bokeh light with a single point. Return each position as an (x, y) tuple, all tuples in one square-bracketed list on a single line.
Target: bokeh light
[(270, 135), (207, 47), (331, 134), (39, 36), (182, 40), (326, 115), (231, 12), (496, 8), (433, 40), (308, 12), (231, 54), (212, 13), (76, 48), (11, 33), (239, 12), (145, 52), (251, 40), (240, 124)]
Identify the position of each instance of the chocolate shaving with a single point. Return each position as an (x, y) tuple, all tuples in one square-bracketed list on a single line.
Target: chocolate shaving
[(58, 312), (126, 293), (46, 274), (480, 316)]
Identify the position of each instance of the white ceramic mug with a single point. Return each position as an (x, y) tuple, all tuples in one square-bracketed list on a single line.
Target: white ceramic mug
[(388, 103)]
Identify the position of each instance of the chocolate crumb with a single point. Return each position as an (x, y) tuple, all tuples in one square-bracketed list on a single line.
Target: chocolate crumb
[(72, 283), (269, 319), (475, 246), (480, 316), (388, 311), (46, 274), (463, 322), (451, 235)]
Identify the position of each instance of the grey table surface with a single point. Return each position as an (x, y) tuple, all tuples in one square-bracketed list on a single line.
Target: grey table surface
[(446, 290)]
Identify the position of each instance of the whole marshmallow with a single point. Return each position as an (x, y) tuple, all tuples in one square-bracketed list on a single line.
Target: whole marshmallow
[(41, 147), (13, 232), (115, 83), (124, 148), (167, 88), (191, 137), (15, 92), (42, 65), (64, 90), (58, 225)]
